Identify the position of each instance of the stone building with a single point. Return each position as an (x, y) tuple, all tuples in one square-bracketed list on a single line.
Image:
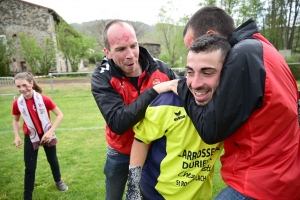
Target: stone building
[(152, 46), (17, 16)]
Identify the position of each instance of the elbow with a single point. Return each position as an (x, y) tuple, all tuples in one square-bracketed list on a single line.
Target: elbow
[(117, 130), (60, 117), (118, 126), (209, 140)]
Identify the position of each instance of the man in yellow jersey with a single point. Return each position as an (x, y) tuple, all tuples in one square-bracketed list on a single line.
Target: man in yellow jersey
[(168, 158)]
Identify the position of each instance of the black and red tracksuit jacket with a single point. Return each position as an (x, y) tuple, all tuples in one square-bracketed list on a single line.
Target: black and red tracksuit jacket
[(255, 111), (120, 102)]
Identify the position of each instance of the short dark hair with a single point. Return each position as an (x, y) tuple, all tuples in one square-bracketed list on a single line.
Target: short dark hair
[(210, 18), (104, 33), (211, 42)]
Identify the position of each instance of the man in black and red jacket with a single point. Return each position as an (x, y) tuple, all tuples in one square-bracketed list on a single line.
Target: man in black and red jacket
[(123, 86)]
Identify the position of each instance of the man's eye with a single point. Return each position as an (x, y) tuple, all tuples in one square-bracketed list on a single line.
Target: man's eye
[(207, 73), (189, 73)]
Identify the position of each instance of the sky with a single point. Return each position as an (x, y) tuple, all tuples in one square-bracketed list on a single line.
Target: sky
[(78, 11)]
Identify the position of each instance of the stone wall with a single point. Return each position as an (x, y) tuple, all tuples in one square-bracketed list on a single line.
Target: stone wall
[(17, 16), (153, 48), (35, 20)]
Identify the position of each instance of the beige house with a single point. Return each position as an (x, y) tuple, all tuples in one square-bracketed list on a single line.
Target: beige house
[(17, 16)]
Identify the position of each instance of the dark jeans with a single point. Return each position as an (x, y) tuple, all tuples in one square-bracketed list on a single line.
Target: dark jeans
[(30, 159), (229, 193), (116, 170)]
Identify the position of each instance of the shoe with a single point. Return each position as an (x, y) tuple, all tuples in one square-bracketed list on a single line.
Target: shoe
[(61, 186)]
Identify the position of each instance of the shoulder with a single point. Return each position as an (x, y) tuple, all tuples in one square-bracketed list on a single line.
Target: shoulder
[(48, 101), (168, 98), (102, 72), (250, 45), (161, 63), (246, 51), (15, 102), (102, 68), (163, 68), (45, 97)]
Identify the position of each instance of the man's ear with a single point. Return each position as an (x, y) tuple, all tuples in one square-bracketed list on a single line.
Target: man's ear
[(211, 32), (106, 52)]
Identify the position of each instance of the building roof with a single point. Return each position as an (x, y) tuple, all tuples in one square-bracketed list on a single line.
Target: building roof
[(50, 10)]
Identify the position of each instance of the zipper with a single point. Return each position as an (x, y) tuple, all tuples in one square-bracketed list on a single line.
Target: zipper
[(139, 86)]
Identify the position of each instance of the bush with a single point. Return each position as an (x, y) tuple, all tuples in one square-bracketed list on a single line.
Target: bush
[(4, 70), (295, 68), (95, 57)]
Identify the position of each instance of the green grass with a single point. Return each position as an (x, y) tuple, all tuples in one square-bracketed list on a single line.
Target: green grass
[(81, 150)]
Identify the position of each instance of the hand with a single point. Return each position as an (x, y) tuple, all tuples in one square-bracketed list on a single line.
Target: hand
[(18, 142), (47, 137), (133, 183), (167, 86)]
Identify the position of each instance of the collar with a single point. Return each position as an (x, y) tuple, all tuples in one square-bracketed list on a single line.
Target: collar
[(246, 30)]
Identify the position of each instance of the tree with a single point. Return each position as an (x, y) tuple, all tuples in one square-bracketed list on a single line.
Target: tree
[(208, 3), (47, 60), (95, 28), (282, 22), (170, 35), (251, 9), (231, 6), (31, 51), (292, 18), (73, 45), (7, 48), (40, 57)]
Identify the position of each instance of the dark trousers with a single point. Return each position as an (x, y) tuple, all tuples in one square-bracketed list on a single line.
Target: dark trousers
[(30, 159), (116, 171)]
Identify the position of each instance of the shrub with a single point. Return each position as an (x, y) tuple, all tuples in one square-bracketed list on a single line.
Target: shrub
[(95, 57), (295, 68)]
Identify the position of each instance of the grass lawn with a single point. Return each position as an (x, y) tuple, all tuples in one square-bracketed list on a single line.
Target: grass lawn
[(81, 149)]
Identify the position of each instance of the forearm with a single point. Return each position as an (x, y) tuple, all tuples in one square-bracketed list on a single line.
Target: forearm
[(56, 123), (138, 155), (121, 117), (59, 116), (166, 86), (16, 128), (139, 151)]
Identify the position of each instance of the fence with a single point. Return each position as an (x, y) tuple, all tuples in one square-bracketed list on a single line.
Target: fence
[(52, 75), (7, 87)]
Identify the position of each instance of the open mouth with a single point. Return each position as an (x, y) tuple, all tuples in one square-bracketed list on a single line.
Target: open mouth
[(201, 96)]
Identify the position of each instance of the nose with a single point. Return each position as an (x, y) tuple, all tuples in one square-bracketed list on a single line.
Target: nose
[(21, 89), (197, 81), (129, 53)]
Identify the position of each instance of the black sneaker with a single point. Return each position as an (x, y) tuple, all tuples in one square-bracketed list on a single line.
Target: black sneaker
[(61, 186)]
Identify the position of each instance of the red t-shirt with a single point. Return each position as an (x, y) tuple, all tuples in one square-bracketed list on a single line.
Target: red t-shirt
[(50, 105)]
